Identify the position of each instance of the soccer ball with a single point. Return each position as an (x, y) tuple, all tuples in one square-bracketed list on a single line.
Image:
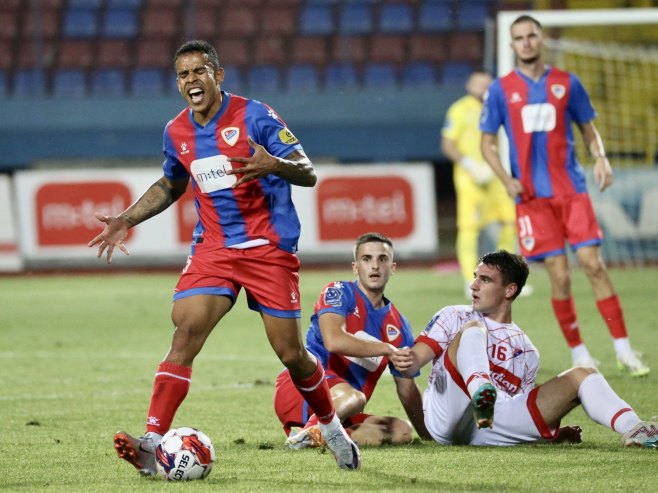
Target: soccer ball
[(184, 454)]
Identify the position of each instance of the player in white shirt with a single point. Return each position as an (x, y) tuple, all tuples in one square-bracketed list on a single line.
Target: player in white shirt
[(485, 366)]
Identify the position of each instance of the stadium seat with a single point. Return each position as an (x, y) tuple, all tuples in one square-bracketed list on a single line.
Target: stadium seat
[(419, 74), (30, 83), (200, 22), (69, 83), (387, 48), (316, 19), (232, 79), (36, 55), (278, 20), (380, 76), (349, 49), (130, 4), (428, 47), (341, 76), (355, 19), (467, 46), (113, 53), (45, 23), (472, 15), (154, 52), (455, 72), (4, 84), (108, 83), (163, 4), (80, 23), (263, 78), (396, 18), (12, 5), (159, 22), (147, 82), (75, 54), (6, 55), (309, 49), (435, 16), (270, 49), (8, 25), (302, 78), (233, 51), (120, 23), (237, 21)]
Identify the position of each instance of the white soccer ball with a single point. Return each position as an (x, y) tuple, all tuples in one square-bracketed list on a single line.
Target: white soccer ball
[(184, 454)]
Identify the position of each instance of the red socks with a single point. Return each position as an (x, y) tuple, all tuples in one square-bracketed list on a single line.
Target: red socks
[(170, 387), (315, 391), (611, 311), (565, 312)]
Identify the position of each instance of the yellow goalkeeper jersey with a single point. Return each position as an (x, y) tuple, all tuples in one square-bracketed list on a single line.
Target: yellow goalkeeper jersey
[(462, 125)]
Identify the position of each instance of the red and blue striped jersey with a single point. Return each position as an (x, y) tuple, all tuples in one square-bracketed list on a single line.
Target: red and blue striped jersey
[(256, 210), (538, 120), (362, 320)]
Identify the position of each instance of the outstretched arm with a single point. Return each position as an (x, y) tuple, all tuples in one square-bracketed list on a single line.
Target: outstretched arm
[(602, 168), (413, 405), (156, 199), (338, 341), (296, 168)]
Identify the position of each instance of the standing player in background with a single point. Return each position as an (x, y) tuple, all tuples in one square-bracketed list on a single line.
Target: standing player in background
[(537, 105), (246, 237), (481, 198), (354, 331), (482, 389)]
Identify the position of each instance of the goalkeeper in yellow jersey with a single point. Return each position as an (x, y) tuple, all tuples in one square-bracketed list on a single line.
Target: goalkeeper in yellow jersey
[(482, 201)]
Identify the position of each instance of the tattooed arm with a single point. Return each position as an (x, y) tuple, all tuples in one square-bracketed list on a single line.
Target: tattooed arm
[(156, 199)]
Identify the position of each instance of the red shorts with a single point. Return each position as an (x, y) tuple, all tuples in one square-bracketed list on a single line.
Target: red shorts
[(293, 410), (544, 224), (269, 275)]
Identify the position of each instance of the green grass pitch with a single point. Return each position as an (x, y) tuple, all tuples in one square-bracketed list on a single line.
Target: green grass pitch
[(78, 354)]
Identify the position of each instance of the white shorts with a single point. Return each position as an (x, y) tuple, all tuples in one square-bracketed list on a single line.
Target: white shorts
[(449, 416)]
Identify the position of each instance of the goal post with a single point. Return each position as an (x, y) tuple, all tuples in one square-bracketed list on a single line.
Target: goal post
[(615, 54)]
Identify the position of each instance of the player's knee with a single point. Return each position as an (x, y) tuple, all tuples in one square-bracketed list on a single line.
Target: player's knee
[(293, 359)]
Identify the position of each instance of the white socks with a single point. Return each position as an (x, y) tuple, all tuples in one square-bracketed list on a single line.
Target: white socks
[(472, 359), (622, 346), (604, 406)]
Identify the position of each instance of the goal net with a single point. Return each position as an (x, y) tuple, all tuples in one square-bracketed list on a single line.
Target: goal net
[(614, 52)]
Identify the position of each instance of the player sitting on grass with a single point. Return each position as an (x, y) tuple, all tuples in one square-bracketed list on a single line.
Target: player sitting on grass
[(484, 365), (353, 332)]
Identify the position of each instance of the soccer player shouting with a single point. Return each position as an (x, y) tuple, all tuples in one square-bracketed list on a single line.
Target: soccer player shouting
[(537, 105), (242, 161)]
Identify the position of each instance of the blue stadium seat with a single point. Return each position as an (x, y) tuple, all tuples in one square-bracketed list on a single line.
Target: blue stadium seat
[(4, 84), (419, 74), (355, 19), (396, 18), (120, 23), (232, 79), (302, 78), (380, 76), (30, 82), (316, 19), (341, 76), (147, 82), (89, 4), (80, 23), (263, 78), (69, 83), (108, 82), (131, 4), (435, 16), (472, 15), (455, 72)]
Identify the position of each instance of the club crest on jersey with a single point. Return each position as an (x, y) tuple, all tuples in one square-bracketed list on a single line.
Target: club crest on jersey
[(392, 332), (287, 137), (558, 90), (528, 242), (230, 135), (184, 149), (332, 297)]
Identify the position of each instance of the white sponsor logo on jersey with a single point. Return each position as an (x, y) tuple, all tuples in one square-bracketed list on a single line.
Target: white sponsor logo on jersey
[(184, 149), (370, 363), (538, 117), (210, 173), (515, 98)]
